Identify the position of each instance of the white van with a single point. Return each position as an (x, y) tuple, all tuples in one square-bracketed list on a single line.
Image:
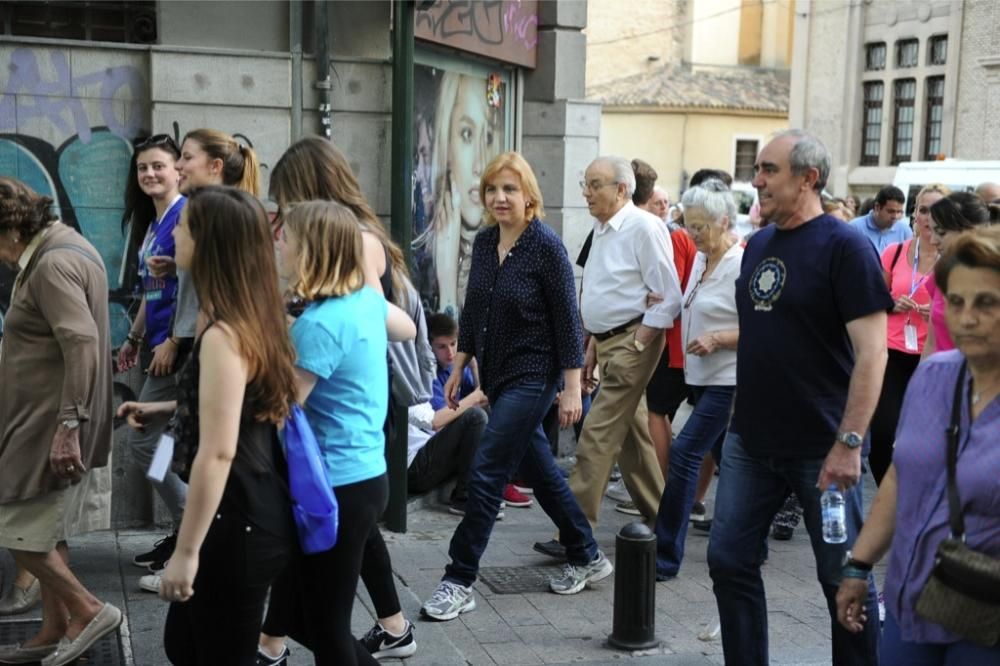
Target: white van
[(958, 175)]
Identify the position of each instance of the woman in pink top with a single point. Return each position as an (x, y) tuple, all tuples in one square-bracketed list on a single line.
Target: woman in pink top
[(909, 264), (950, 216)]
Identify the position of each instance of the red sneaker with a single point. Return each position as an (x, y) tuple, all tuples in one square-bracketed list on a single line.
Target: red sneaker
[(515, 498)]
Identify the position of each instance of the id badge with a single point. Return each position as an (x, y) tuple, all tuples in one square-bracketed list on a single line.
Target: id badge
[(161, 459), (910, 337)]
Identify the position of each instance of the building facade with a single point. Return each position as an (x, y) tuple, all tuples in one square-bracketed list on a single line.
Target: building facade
[(917, 80), (689, 85), (80, 81)]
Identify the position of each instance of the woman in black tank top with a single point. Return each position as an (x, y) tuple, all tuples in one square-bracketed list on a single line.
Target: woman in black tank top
[(237, 532)]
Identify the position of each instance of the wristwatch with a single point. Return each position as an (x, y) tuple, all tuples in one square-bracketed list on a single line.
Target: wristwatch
[(851, 440), (70, 424), (849, 561)]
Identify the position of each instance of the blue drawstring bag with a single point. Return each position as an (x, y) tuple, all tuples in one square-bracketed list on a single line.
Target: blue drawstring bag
[(313, 502)]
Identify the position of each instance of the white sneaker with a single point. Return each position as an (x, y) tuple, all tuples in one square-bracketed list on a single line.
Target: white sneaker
[(618, 492), (150, 583)]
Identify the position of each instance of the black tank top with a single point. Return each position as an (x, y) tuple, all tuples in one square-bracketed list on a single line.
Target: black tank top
[(257, 486)]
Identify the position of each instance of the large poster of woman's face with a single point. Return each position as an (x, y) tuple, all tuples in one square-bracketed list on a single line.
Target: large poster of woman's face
[(458, 128)]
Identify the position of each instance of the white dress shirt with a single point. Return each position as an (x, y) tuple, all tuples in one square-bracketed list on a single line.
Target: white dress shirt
[(710, 305), (631, 257)]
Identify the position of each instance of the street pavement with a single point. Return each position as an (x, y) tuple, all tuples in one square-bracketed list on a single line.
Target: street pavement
[(531, 627)]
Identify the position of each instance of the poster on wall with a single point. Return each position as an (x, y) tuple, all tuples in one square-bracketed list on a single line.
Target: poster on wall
[(459, 126)]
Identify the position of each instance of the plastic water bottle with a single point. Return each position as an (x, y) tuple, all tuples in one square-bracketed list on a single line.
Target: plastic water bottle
[(834, 516)]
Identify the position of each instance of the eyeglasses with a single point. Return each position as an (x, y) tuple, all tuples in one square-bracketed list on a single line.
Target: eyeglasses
[(156, 141), (593, 185)]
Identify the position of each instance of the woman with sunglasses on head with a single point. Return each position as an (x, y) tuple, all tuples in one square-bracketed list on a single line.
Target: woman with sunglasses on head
[(341, 341), (237, 532), (153, 205), (315, 169), (950, 216), (908, 268)]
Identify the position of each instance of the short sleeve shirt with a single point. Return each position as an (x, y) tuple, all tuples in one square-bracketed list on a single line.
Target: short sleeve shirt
[(343, 342), (796, 292)]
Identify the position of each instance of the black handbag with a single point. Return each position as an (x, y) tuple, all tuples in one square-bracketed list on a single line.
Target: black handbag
[(963, 592)]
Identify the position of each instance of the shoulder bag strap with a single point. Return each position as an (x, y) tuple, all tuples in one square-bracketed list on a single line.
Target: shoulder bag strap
[(954, 504), (895, 257)]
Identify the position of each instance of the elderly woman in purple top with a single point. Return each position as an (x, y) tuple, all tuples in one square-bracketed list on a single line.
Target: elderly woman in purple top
[(910, 513)]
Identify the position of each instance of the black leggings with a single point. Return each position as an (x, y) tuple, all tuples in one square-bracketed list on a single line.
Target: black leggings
[(312, 600), (898, 370), (221, 622)]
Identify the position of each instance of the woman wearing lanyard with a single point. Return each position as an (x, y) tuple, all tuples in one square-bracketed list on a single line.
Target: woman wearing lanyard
[(908, 268)]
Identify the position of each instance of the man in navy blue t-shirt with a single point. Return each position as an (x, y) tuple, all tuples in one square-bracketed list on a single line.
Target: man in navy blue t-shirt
[(812, 311)]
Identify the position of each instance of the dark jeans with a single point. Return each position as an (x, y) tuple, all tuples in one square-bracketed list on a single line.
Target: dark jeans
[(749, 493), (448, 453), (515, 445), (221, 622), (705, 429), (896, 651), (312, 600), (899, 367)]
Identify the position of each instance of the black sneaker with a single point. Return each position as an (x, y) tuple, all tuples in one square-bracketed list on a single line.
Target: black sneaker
[(267, 660), (162, 550), (383, 645), (782, 532)]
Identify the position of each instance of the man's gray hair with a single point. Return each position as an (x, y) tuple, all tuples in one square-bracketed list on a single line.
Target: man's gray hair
[(714, 198), (623, 172), (808, 153)]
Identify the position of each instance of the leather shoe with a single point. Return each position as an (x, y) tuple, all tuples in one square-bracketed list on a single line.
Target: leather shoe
[(551, 548), (18, 654), (21, 601), (106, 621)]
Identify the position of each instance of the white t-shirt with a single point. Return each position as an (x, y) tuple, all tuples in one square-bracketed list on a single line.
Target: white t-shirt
[(709, 304), (419, 429)]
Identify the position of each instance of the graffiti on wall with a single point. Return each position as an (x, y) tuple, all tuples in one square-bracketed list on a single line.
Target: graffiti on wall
[(68, 135), (506, 30)]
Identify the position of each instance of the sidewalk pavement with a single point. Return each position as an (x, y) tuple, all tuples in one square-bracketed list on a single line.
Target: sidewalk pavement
[(531, 627)]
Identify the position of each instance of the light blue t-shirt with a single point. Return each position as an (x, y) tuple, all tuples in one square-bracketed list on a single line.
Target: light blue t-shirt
[(899, 231), (343, 342)]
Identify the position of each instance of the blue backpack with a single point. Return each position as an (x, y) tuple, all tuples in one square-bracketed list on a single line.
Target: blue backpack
[(313, 503)]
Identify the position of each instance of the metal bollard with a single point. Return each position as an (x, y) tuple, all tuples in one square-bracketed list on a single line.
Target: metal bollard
[(635, 589)]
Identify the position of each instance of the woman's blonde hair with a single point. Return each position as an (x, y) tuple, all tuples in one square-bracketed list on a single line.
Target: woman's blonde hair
[(240, 166), (331, 252), (940, 188), (529, 184)]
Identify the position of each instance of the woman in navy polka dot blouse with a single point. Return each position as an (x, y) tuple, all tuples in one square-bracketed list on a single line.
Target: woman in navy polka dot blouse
[(521, 323)]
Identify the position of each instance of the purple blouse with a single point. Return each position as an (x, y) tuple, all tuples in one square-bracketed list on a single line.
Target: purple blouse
[(921, 499)]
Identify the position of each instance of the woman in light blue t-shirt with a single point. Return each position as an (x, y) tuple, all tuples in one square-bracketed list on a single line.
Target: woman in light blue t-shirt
[(340, 339)]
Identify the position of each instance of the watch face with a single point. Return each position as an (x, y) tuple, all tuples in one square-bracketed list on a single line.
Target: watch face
[(851, 439)]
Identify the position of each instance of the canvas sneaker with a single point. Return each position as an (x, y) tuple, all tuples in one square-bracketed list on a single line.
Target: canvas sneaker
[(161, 552), (449, 601), (576, 576), (513, 497), (698, 512), (628, 508), (264, 659), (150, 583), (617, 491), (381, 644)]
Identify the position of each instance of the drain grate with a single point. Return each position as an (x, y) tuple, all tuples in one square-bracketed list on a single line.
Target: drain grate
[(106, 652), (518, 580)]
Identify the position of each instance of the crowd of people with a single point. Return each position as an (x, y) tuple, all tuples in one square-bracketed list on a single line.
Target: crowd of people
[(820, 346)]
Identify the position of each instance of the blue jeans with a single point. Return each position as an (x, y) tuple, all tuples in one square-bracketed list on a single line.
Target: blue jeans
[(514, 444), (896, 651), (749, 494), (705, 428)]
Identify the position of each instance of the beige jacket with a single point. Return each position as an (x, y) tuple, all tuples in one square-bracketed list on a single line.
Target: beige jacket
[(56, 364)]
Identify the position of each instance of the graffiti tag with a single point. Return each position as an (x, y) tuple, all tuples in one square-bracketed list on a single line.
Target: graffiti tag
[(503, 29)]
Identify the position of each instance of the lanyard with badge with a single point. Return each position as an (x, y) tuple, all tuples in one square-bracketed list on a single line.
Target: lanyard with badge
[(909, 329)]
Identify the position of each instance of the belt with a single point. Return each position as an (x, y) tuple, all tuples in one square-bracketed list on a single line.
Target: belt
[(601, 337)]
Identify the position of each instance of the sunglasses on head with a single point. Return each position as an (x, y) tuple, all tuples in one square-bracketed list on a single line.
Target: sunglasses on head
[(157, 141)]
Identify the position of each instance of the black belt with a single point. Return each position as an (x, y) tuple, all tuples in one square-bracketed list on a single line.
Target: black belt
[(601, 337)]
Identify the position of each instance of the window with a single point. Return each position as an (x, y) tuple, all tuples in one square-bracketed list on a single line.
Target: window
[(746, 155), (906, 52), (874, 57), (937, 50), (902, 126), (871, 123), (934, 115), (128, 22)]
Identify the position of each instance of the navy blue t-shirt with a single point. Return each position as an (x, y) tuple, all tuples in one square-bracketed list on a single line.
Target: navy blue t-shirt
[(796, 292)]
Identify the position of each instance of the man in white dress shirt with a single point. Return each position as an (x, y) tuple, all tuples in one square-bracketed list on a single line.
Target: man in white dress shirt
[(630, 259)]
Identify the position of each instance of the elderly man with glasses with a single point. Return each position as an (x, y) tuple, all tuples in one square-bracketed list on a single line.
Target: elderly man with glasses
[(630, 259)]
